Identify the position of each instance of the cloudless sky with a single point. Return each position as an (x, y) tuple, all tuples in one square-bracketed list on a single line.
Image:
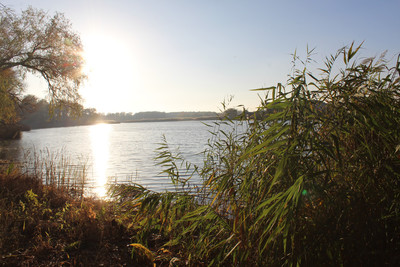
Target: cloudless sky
[(190, 55)]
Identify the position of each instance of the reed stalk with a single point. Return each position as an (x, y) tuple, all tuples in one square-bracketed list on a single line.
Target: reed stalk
[(56, 168), (312, 181)]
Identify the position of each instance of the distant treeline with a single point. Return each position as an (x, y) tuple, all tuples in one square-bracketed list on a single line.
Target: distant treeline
[(38, 116), (157, 115)]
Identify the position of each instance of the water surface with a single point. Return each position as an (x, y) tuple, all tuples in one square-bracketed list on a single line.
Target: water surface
[(115, 152)]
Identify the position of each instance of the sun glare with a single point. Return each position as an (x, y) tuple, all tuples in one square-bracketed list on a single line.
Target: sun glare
[(111, 73), (99, 135)]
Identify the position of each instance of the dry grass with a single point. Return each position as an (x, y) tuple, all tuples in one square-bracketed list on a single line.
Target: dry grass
[(44, 226)]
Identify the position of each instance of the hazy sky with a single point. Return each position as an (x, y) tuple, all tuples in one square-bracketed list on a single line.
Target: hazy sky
[(189, 55)]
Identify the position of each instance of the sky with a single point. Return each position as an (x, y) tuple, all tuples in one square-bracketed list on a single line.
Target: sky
[(191, 55)]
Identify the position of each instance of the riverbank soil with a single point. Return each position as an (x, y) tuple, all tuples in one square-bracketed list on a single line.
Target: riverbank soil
[(45, 226)]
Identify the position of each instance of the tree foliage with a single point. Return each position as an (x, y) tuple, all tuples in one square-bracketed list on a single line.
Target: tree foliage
[(34, 42), (38, 115), (10, 88)]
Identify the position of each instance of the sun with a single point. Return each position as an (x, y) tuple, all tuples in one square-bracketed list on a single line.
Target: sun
[(110, 68)]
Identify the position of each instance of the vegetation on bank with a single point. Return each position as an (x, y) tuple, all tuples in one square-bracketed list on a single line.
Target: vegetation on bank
[(39, 117), (308, 184), (43, 225), (35, 42)]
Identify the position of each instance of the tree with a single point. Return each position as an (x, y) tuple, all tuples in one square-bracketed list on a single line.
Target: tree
[(231, 113), (10, 88), (34, 42)]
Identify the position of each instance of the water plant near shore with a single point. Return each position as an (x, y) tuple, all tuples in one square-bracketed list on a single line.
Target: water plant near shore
[(313, 181), (57, 169)]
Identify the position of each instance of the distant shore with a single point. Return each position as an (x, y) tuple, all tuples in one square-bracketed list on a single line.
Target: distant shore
[(41, 119), (118, 122), (14, 131), (173, 119)]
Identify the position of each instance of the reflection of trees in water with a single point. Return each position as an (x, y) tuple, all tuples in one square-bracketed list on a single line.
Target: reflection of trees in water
[(10, 150)]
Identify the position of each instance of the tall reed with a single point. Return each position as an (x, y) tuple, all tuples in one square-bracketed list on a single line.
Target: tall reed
[(56, 168), (313, 181)]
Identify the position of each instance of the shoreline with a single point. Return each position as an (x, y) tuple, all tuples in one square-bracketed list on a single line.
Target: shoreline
[(120, 122), (173, 119)]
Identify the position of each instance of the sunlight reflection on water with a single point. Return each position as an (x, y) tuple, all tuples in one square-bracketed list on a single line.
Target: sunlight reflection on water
[(99, 137), (116, 153)]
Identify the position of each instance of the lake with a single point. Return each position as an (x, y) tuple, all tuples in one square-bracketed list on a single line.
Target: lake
[(114, 152)]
